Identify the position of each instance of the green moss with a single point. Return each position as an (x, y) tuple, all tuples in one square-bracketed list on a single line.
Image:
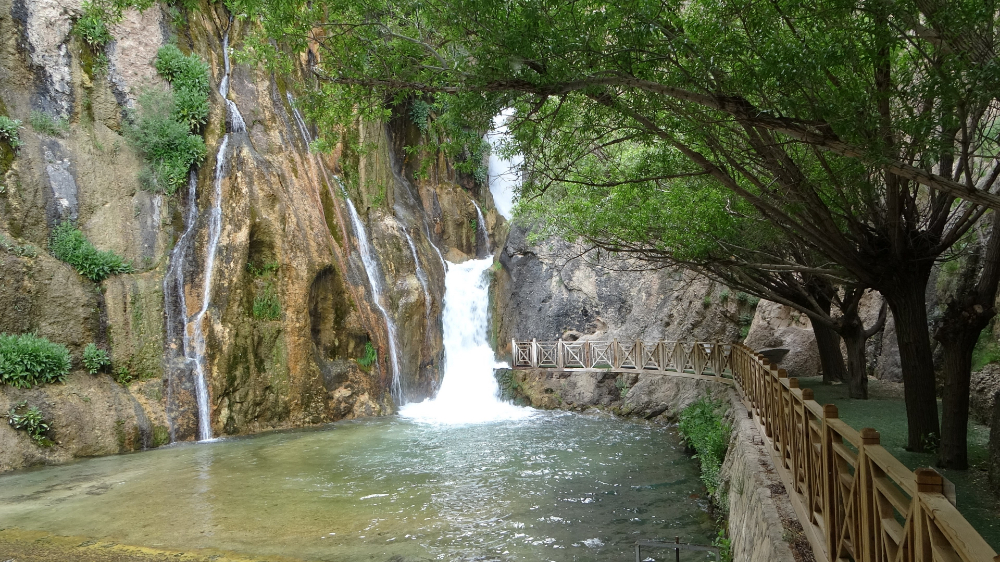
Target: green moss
[(987, 350)]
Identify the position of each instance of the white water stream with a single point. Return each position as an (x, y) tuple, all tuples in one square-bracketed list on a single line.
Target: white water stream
[(481, 228), (469, 393), (421, 276)]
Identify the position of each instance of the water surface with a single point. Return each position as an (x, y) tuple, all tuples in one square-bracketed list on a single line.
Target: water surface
[(555, 486)]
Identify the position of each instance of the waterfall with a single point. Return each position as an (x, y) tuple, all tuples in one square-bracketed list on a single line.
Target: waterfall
[(367, 258), (469, 393), (504, 173), (481, 228), (375, 281), (193, 338), (421, 276)]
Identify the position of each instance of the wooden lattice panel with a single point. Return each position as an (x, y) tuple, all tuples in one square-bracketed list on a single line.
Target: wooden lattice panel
[(573, 355), (601, 355)]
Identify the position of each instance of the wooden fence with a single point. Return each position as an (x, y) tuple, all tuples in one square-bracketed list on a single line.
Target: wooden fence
[(855, 500), (694, 359)]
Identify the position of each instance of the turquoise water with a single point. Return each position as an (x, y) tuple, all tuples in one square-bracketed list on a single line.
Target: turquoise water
[(556, 486)]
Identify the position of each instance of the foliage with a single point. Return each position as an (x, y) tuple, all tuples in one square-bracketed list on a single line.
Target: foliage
[(69, 245), (48, 125), (27, 360), (20, 250), (95, 358), (166, 144), (264, 269), (621, 385), (92, 26), (725, 546), (369, 357), (163, 129), (987, 350), (9, 131), (704, 430), (266, 305), (123, 376), (188, 75), (30, 421)]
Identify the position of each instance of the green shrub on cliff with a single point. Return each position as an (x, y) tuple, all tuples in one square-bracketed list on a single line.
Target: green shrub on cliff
[(27, 360), (95, 358), (9, 131), (69, 245), (266, 305), (706, 432), (369, 357), (162, 130), (30, 421)]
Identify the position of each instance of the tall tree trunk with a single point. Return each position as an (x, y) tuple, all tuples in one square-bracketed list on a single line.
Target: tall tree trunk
[(830, 357), (907, 302), (857, 369), (968, 312), (953, 451), (995, 446)]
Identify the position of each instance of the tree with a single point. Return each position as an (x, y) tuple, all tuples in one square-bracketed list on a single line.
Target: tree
[(864, 129)]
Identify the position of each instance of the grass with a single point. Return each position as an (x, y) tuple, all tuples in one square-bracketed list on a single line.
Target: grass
[(69, 245), (987, 350), (886, 412), (266, 305), (47, 124), (27, 360), (369, 357)]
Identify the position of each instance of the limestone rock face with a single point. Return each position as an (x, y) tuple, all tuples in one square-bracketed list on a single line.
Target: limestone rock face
[(777, 325), (546, 291), (985, 385), (645, 395)]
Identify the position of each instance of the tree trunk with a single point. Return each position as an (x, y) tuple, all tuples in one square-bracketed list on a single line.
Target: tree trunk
[(857, 368), (994, 461), (953, 452), (968, 312), (907, 302), (830, 357)]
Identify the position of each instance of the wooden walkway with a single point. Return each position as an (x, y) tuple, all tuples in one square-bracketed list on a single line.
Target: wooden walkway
[(708, 360), (856, 502)]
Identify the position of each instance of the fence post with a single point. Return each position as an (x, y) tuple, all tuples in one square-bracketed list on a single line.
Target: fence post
[(616, 357), (640, 363), (559, 354), (862, 482), (830, 512), (534, 353), (513, 351)]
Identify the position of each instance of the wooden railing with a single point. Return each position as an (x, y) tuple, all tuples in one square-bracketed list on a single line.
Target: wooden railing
[(698, 359), (856, 502)]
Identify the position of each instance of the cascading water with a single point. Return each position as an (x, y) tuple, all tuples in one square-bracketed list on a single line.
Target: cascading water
[(481, 228), (367, 258), (469, 393), (375, 281), (421, 274), (504, 173), (193, 338)]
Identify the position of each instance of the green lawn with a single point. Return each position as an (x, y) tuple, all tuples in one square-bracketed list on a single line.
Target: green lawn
[(886, 412)]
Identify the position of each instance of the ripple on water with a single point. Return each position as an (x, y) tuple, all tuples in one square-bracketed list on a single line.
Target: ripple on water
[(553, 487)]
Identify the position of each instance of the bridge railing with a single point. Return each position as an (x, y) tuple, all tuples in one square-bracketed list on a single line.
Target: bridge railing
[(856, 502), (702, 359)]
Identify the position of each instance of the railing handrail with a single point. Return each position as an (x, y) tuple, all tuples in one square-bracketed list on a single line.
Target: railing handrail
[(855, 500)]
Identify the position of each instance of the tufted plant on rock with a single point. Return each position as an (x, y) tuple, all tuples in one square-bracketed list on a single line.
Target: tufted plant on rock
[(27, 360), (69, 245)]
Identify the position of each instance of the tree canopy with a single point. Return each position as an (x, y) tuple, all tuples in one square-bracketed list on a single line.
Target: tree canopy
[(863, 131)]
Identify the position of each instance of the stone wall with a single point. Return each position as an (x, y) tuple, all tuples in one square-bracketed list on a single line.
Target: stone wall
[(762, 523)]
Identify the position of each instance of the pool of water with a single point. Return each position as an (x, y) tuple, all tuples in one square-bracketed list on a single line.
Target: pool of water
[(554, 486)]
